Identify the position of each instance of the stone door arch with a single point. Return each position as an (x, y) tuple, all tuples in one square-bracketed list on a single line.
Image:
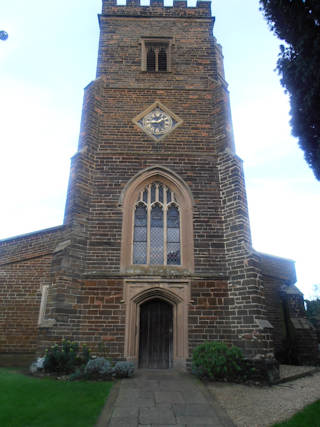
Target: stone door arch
[(175, 293)]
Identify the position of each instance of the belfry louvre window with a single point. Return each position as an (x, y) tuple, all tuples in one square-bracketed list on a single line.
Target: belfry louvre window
[(157, 58), (156, 55), (156, 236)]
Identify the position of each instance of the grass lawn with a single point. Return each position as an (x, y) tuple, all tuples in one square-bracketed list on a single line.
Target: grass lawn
[(308, 417), (45, 402)]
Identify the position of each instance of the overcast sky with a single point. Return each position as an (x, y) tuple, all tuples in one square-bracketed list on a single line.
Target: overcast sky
[(50, 56)]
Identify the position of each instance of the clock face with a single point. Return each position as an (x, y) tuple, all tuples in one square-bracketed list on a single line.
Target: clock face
[(157, 122)]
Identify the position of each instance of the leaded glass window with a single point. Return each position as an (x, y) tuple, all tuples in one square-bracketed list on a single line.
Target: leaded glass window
[(156, 236), (140, 235), (173, 236)]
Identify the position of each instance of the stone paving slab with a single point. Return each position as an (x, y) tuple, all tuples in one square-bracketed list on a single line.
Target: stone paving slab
[(157, 415), (172, 386), (155, 398), (123, 422), (196, 410), (125, 412), (168, 397), (161, 425), (134, 394), (136, 403), (196, 421), (193, 397)]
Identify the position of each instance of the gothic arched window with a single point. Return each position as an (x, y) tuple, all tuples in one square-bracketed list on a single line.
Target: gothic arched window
[(156, 236)]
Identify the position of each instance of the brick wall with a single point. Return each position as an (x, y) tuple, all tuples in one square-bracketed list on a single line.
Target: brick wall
[(209, 313), (275, 311), (90, 312), (25, 265)]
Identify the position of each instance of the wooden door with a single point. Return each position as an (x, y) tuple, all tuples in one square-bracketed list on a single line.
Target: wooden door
[(155, 341)]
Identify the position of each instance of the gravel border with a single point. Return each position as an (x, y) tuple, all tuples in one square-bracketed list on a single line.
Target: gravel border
[(262, 406)]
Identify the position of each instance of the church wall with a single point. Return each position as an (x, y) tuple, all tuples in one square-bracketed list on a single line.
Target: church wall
[(120, 45), (20, 295), (275, 311), (125, 150), (113, 149), (277, 274), (104, 246), (91, 312), (97, 315), (103, 316), (25, 266), (209, 312), (243, 264), (30, 245)]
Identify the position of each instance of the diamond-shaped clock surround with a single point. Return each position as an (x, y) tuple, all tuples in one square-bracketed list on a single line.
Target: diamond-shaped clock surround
[(170, 121)]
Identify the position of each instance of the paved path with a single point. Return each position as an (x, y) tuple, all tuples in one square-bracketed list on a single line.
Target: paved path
[(162, 398)]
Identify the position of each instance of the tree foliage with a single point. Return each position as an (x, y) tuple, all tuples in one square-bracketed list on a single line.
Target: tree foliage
[(313, 306), (297, 22), (313, 311)]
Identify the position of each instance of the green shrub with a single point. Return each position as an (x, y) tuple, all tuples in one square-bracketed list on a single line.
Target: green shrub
[(65, 358), (216, 360)]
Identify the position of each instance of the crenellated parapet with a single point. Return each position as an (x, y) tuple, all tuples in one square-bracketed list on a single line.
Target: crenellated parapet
[(157, 8)]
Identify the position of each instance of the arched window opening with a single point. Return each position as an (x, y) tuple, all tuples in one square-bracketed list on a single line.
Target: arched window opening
[(151, 59), (140, 234), (162, 60), (173, 236), (156, 237)]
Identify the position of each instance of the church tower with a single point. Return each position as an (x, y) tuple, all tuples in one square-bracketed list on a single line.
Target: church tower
[(155, 253), (157, 210)]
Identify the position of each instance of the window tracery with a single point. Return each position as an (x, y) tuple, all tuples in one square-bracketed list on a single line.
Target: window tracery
[(156, 236)]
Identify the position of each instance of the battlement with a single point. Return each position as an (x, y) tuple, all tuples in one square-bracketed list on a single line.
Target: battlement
[(157, 9)]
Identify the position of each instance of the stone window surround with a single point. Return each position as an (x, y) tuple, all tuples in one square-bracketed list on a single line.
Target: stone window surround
[(174, 292), (128, 201), (42, 321), (166, 42), (43, 304)]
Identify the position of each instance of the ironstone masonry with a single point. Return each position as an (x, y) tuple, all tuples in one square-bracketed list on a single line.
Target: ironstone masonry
[(79, 281)]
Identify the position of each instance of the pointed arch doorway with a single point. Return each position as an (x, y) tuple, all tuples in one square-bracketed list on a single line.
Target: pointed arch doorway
[(145, 300), (156, 334)]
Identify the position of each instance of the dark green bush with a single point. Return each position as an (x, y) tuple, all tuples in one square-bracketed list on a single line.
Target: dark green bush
[(65, 358), (216, 360)]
